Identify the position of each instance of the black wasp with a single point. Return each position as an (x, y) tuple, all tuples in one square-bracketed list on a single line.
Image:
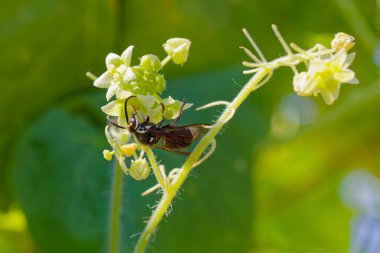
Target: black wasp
[(174, 138)]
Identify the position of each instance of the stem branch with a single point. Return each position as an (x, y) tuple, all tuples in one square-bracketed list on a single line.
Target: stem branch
[(165, 61)]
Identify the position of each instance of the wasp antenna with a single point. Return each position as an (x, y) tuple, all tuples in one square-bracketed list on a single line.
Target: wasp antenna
[(113, 123), (180, 112), (125, 108), (163, 111)]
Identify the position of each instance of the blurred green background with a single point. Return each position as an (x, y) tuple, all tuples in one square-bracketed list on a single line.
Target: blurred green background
[(271, 186)]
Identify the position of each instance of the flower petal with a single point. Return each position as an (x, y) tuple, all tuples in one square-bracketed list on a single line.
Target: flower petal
[(111, 91), (349, 60), (339, 58), (344, 76), (127, 55), (123, 94), (114, 108), (129, 75), (103, 81), (155, 114), (330, 96), (147, 101), (173, 107), (354, 81), (113, 60), (121, 69), (315, 66)]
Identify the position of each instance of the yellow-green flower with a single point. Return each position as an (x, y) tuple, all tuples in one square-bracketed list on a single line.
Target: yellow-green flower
[(343, 41), (325, 76), (107, 154), (139, 169), (178, 49)]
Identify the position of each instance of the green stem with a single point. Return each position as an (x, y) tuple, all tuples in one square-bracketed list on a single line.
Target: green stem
[(91, 76), (154, 165), (165, 61), (253, 84), (156, 217), (114, 220)]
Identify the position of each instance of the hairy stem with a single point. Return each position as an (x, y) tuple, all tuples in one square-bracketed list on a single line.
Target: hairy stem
[(114, 219), (254, 83), (155, 168)]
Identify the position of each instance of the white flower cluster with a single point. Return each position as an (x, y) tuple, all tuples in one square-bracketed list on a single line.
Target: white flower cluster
[(327, 68), (145, 82), (326, 73)]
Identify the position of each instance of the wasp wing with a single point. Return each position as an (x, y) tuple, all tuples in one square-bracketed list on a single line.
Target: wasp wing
[(179, 137)]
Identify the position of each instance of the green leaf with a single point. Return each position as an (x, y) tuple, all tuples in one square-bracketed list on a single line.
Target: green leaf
[(63, 185), (58, 185), (46, 47)]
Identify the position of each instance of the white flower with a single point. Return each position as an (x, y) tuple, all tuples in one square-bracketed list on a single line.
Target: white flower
[(177, 49), (118, 72), (325, 76)]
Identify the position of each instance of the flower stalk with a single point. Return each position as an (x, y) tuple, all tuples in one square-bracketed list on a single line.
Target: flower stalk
[(114, 219)]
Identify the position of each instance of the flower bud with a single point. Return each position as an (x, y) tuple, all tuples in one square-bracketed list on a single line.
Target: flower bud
[(139, 169), (129, 149), (107, 154), (177, 49), (343, 41), (302, 84), (150, 61)]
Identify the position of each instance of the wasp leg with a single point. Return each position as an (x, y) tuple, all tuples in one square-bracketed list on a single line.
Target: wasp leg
[(180, 113), (163, 110), (113, 123), (141, 115), (179, 152)]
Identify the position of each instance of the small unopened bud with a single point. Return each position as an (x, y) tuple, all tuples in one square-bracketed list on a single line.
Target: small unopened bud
[(177, 49), (129, 149), (343, 41), (139, 169), (150, 61), (107, 154)]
